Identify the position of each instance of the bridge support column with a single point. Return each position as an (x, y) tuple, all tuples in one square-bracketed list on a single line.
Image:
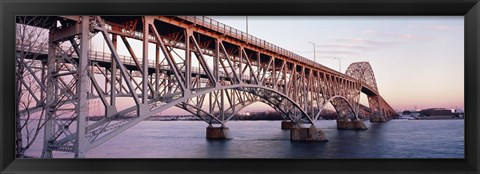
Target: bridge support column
[(347, 124), (378, 119), (306, 134), (287, 124), (218, 133)]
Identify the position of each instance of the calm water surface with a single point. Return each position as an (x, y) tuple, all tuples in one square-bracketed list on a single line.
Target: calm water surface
[(265, 139)]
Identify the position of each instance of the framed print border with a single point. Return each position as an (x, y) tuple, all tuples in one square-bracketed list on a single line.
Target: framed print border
[(470, 9)]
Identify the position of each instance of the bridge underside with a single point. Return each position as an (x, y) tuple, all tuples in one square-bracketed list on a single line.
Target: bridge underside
[(199, 65)]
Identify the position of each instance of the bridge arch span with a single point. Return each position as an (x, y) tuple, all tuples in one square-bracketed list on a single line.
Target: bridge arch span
[(277, 100), (380, 109), (341, 105), (232, 110), (106, 130)]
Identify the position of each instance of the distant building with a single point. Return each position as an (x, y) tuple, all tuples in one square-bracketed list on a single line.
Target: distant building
[(436, 112), (458, 111)]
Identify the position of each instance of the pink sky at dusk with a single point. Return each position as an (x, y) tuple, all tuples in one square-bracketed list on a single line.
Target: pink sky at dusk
[(417, 61)]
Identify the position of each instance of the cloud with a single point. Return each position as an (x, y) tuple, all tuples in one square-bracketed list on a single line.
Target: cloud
[(379, 33), (338, 52), (393, 35), (409, 36), (432, 27), (440, 27), (364, 41), (351, 46), (347, 46)]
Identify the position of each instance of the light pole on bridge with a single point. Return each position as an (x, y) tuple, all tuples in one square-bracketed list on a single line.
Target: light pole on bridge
[(314, 59), (339, 62), (246, 25)]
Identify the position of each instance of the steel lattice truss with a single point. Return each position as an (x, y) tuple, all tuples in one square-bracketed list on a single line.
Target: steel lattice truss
[(363, 72), (202, 66)]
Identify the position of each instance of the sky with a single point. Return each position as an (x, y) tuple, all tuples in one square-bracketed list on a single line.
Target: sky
[(418, 62)]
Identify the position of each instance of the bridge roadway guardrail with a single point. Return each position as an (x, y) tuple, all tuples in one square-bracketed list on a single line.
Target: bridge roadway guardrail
[(232, 32), (106, 57)]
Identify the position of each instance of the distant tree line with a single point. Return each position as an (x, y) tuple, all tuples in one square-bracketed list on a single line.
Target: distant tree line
[(273, 115), (265, 115)]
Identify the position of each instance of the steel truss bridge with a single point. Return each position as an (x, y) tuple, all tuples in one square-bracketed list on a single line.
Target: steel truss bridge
[(200, 65)]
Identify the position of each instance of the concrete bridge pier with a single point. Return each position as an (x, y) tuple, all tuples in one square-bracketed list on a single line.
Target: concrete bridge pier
[(218, 133), (307, 134), (378, 119), (347, 124), (287, 124)]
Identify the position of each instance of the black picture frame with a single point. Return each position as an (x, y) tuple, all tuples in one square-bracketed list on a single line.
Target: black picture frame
[(470, 9)]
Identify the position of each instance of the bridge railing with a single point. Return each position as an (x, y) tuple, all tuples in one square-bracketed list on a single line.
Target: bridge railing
[(232, 32), (106, 57)]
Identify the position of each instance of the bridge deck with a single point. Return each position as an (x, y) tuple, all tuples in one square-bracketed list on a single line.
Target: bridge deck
[(207, 25)]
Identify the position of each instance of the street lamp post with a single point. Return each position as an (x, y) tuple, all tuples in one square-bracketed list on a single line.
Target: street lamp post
[(246, 25), (314, 59), (339, 64)]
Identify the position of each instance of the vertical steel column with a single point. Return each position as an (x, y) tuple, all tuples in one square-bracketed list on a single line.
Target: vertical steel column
[(120, 83), (352, 98), (188, 60), (312, 92), (113, 79), (274, 74), (145, 60), (50, 98), (210, 104), (240, 62), (216, 61), (304, 89), (157, 68), (258, 68), (294, 74), (222, 110), (81, 143), (232, 100), (285, 78), (169, 83)]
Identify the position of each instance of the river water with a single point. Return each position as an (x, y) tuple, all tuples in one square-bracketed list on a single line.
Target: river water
[(265, 139)]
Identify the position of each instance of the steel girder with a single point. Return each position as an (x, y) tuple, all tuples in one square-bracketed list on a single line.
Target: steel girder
[(210, 73)]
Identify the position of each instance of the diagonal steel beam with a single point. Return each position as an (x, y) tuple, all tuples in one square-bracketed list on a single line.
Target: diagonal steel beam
[(227, 57), (201, 60), (168, 56), (113, 50), (249, 65)]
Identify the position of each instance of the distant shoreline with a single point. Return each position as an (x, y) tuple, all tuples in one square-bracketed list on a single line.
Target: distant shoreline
[(260, 118), (433, 118)]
